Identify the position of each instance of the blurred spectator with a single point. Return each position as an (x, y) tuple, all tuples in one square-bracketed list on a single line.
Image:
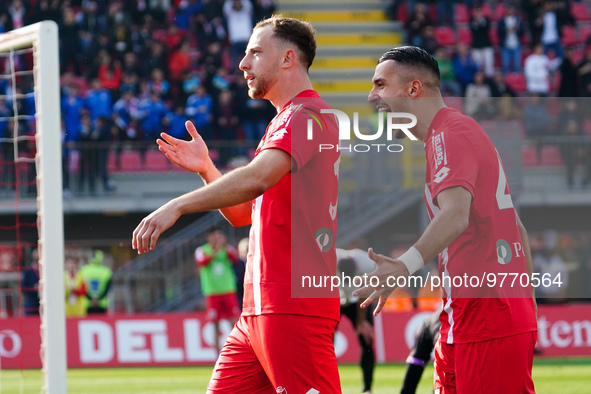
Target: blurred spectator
[(537, 71), (508, 108), (227, 123), (478, 102), (510, 30), (482, 49), (110, 73), (72, 105), (87, 171), (584, 71), (175, 121), (537, 121), (499, 87), (239, 15), (427, 40), (199, 109), (151, 112), (179, 62), (573, 152), (98, 101), (549, 264), (464, 65), (6, 146), (416, 23), (47, 10), (568, 75), (445, 14), (551, 29), (263, 9), (155, 59), (70, 48), (158, 84), (449, 85), (18, 14), (533, 12), (97, 282), (30, 286), (75, 292)]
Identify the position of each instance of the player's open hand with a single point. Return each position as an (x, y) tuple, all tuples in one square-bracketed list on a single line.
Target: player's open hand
[(382, 281), (191, 155), (146, 234)]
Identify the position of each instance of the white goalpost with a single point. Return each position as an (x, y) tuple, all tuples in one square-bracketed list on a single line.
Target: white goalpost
[(43, 39)]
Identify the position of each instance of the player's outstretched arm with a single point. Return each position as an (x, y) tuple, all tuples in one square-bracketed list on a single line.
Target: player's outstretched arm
[(193, 155), (233, 189), (447, 225)]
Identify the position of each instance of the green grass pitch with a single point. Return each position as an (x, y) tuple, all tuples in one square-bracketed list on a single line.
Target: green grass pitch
[(565, 376)]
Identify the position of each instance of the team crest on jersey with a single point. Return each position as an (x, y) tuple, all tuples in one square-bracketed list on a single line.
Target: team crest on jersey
[(439, 151), (281, 390)]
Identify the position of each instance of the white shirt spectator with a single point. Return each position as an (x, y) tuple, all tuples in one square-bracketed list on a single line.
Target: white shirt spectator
[(239, 21), (550, 32), (537, 72), (511, 40)]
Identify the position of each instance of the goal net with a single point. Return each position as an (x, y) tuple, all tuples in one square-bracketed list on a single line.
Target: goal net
[(31, 175)]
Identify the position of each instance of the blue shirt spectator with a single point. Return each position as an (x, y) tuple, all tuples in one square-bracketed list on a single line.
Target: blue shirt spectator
[(98, 101), (199, 109), (72, 105), (176, 123), (464, 65), (152, 111)]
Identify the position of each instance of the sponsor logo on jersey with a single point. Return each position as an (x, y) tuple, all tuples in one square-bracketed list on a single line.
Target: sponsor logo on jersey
[(504, 253), (281, 390), (439, 149), (325, 239), (441, 174), (312, 391)]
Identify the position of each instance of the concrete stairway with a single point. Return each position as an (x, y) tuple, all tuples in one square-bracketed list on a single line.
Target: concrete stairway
[(351, 37)]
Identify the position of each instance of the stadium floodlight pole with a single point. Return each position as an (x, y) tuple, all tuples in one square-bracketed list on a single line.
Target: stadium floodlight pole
[(43, 36)]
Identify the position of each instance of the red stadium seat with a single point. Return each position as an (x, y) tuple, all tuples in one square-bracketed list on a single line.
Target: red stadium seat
[(465, 35), (499, 11), (111, 161), (530, 156), (569, 35), (584, 32), (461, 14), (578, 56), (130, 161), (487, 11), (587, 126), (580, 11), (445, 36), (516, 81), (551, 156), (156, 161), (402, 13)]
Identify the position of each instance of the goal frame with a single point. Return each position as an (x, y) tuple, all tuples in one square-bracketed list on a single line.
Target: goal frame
[(43, 37)]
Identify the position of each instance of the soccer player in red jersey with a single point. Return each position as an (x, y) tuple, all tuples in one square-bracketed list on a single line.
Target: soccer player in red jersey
[(487, 335), (281, 343)]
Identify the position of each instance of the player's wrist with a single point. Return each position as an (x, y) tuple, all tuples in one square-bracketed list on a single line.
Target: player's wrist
[(412, 259)]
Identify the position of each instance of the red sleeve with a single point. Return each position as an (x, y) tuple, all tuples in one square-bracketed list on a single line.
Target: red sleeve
[(201, 258), (452, 162), (290, 135)]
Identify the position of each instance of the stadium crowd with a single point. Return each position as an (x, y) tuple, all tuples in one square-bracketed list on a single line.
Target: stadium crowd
[(130, 70)]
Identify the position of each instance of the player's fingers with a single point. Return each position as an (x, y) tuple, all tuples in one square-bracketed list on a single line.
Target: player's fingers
[(362, 291), (170, 139), (380, 306), (135, 240), (372, 297), (154, 239), (145, 239), (192, 130)]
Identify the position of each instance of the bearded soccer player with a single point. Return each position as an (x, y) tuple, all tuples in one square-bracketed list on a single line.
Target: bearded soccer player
[(288, 193), (487, 336)]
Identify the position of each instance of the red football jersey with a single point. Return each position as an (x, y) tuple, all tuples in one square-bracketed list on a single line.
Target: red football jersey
[(294, 222), (459, 153)]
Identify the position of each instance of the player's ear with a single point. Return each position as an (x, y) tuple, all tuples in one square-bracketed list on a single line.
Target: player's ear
[(289, 58), (415, 87)]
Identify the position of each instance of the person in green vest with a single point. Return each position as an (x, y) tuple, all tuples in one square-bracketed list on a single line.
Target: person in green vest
[(97, 281), (216, 260)]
